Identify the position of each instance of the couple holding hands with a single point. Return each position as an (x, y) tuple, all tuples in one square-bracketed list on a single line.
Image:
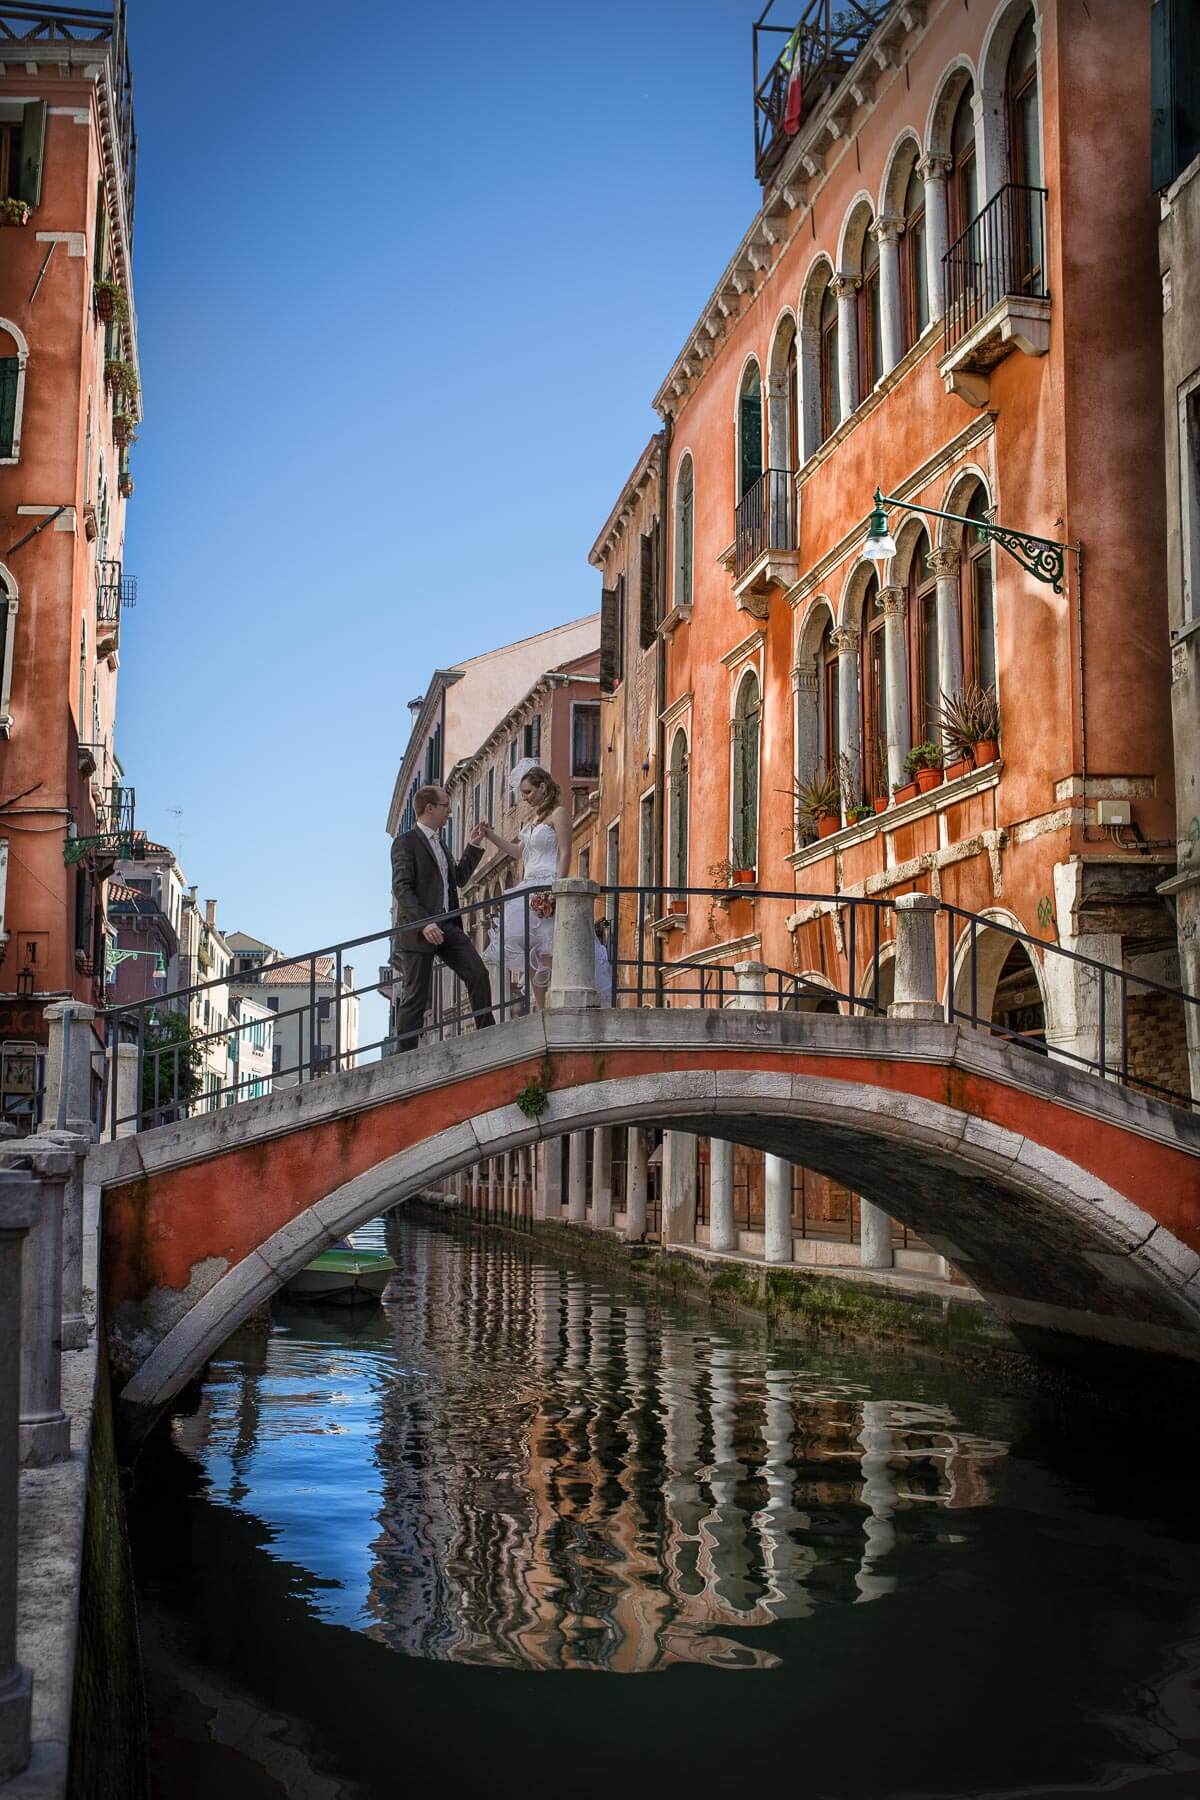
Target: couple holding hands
[(426, 880)]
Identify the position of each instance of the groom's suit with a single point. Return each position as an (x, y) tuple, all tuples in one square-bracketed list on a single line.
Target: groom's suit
[(418, 893)]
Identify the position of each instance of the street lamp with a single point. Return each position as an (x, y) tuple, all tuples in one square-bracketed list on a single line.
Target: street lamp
[(1043, 558)]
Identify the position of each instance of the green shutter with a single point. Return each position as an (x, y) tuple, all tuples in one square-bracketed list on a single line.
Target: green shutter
[(751, 422), (100, 241), (8, 404), (647, 620), (33, 151)]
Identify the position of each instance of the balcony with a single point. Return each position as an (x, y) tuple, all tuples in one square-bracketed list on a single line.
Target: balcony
[(113, 591), (814, 53), (766, 556), (996, 295)]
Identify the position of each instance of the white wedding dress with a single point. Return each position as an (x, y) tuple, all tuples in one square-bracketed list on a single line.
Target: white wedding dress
[(539, 871)]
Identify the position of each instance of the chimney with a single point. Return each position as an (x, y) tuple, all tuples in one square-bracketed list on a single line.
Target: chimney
[(210, 914), (347, 977)]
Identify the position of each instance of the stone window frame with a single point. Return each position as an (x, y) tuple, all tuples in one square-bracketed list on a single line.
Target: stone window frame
[(742, 662), (817, 279), (686, 464), (22, 343), (682, 731)]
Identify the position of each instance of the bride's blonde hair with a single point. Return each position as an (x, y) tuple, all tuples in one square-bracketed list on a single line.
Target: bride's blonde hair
[(551, 792)]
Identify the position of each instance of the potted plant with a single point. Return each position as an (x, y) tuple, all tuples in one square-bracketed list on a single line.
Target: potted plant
[(677, 904), (125, 484), (819, 804), (743, 877), (856, 814), (121, 377), (15, 212), (986, 709), (111, 302), (970, 723), (123, 424), (924, 764)]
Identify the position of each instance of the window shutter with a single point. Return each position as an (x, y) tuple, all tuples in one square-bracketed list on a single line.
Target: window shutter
[(8, 403), (33, 151), (535, 727), (647, 620), (610, 627), (100, 242), (751, 441)]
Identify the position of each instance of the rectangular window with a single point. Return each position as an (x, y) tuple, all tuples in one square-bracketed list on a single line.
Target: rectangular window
[(276, 1058), (323, 1010), (620, 627), (476, 803), (491, 794), (585, 740), (646, 841), (512, 754), (273, 1002), (532, 736)]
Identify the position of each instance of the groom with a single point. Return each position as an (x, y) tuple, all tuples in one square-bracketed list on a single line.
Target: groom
[(425, 882)]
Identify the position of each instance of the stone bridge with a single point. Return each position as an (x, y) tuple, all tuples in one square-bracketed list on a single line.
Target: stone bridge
[(1073, 1204)]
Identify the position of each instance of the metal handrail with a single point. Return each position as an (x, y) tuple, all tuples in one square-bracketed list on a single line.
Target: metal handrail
[(1001, 252), (765, 518)]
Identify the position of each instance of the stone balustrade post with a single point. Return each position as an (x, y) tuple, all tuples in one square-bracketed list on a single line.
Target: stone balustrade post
[(751, 995), (722, 1232), (70, 1049), (916, 958), (573, 971), (777, 1229), (602, 1196), (74, 1325), (19, 1204), (874, 1236), (45, 1430), (577, 1195), (637, 1160), (547, 1201), (123, 1070)]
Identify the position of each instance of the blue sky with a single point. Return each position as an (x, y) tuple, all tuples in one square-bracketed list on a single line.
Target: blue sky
[(405, 289)]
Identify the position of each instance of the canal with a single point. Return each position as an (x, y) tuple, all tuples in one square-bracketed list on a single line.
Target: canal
[(529, 1528)]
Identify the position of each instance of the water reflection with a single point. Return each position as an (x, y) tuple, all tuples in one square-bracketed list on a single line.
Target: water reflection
[(540, 1471)]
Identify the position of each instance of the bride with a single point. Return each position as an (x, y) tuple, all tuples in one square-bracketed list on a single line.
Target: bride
[(542, 847)]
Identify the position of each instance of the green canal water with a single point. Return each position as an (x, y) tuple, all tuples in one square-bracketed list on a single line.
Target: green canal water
[(526, 1529)]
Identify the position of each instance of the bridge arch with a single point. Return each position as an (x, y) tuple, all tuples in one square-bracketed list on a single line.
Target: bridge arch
[(1026, 1174)]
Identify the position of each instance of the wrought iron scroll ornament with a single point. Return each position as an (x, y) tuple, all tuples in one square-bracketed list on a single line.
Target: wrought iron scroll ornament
[(1043, 558)]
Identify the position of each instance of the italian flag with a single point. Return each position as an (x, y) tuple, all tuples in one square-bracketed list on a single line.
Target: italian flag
[(792, 61)]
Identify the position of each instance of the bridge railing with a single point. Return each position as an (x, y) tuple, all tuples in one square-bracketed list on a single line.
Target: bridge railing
[(164, 1063)]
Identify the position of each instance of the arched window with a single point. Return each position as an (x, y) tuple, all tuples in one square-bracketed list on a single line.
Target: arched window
[(873, 651), (978, 599), (1025, 155), (747, 722), (783, 401), (684, 527), (677, 815), (8, 623), (831, 411), (914, 278), (827, 675), (750, 422), (869, 319), (925, 694), (962, 188), (13, 355)]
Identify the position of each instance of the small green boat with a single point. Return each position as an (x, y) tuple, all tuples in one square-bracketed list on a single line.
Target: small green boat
[(343, 1276)]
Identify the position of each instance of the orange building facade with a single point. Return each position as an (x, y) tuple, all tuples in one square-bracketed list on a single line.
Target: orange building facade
[(68, 400), (950, 293)]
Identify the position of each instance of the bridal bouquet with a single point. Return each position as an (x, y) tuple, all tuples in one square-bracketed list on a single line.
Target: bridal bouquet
[(542, 904)]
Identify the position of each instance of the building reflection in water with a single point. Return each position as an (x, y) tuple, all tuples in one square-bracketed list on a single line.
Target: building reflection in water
[(568, 1476)]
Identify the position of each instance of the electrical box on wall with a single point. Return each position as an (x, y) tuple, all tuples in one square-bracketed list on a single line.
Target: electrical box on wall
[(1112, 812)]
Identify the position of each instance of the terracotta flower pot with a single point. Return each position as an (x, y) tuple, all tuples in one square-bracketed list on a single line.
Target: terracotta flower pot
[(961, 767), (986, 751), (120, 431), (677, 906), (106, 306), (881, 803), (907, 792), (743, 878), (828, 825), (927, 779)]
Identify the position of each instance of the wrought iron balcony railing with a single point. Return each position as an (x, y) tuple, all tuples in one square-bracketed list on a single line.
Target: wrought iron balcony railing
[(113, 591), (114, 814), (765, 519), (816, 52), (52, 26), (1001, 253)]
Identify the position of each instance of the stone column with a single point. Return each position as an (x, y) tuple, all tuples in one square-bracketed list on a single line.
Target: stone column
[(547, 1202), (893, 602), (777, 1235), (602, 1207), (1072, 989), (45, 1430), (577, 1196), (679, 1188), (19, 1203), (751, 995), (71, 1046), (123, 1069), (916, 959), (845, 290), (845, 642), (875, 1236), (933, 171), (573, 973), (74, 1324), (885, 231), (636, 1178), (945, 564), (722, 1232)]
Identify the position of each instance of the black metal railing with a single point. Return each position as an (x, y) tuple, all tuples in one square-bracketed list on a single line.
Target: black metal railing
[(825, 40), (631, 971), (115, 812), (1002, 252), (64, 25), (765, 518)]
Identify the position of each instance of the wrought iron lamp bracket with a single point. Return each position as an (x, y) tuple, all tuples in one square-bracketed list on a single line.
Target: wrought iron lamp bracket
[(1043, 558)]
